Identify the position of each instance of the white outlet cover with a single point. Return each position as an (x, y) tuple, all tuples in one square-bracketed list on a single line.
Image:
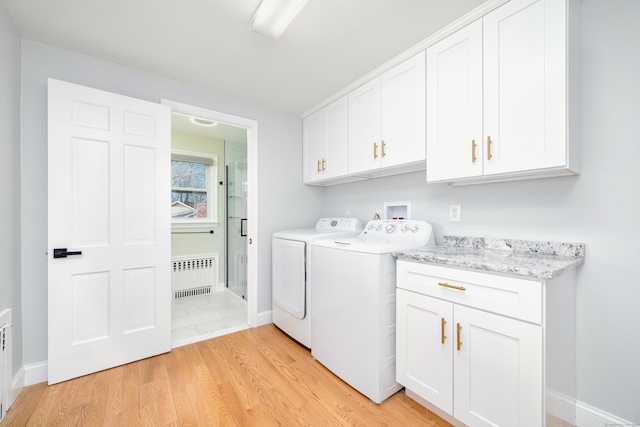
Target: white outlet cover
[(455, 211)]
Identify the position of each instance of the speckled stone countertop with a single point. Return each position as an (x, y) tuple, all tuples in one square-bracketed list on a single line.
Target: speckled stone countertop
[(536, 259)]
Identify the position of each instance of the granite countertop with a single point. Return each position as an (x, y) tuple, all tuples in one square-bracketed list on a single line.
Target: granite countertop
[(536, 259)]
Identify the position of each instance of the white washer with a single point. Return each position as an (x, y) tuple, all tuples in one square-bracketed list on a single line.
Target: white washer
[(353, 321), (292, 277)]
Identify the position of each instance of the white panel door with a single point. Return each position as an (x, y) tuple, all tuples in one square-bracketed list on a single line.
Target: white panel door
[(109, 185), (497, 370), (425, 339), (364, 127), (403, 112), (525, 86), (454, 106), (289, 276)]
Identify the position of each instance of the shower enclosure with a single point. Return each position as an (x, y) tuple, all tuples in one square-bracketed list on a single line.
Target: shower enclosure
[(236, 212)]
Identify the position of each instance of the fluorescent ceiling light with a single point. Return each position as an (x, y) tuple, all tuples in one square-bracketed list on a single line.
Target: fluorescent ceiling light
[(274, 16)]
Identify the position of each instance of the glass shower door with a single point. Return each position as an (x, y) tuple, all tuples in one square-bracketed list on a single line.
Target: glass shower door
[(237, 192)]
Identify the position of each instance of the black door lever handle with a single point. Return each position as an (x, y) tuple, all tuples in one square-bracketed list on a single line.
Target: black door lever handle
[(62, 253)]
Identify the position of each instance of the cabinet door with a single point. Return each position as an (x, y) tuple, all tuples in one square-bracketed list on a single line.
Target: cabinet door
[(403, 112), (364, 127), (454, 106), (314, 137), (424, 347), (525, 86), (497, 370), (336, 148)]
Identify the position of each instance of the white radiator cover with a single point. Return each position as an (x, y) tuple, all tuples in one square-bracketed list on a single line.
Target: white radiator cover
[(5, 362), (194, 274)]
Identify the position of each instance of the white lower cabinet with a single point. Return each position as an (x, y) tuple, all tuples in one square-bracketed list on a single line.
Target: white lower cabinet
[(471, 346)]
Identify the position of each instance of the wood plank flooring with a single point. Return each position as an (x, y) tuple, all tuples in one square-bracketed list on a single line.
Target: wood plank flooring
[(255, 377)]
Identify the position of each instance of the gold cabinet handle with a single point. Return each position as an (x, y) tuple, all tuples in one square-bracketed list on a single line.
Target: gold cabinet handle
[(459, 341), (444, 337), (489, 148), (323, 165), (473, 151), (446, 285), (375, 150), (383, 144), (318, 165)]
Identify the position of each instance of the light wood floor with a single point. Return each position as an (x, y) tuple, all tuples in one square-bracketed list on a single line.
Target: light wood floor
[(256, 377)]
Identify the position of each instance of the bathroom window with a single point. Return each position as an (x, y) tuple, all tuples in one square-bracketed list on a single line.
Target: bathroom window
[(193, 190)]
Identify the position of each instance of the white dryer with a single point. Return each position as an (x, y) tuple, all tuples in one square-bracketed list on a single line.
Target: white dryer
[(292, 277), (353, 317)]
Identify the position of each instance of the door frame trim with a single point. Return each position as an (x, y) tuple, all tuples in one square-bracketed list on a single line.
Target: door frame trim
[(252, 177)]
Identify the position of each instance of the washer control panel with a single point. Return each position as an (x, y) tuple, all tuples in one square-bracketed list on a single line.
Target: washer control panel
[(400, 230)]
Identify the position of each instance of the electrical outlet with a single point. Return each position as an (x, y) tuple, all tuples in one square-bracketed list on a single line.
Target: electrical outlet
[(455, 211), (348, 215), (378, 213)]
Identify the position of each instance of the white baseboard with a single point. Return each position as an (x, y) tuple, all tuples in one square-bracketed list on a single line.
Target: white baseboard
[(220, 287), (588, 416), (561, 406), (36, 373), (17, 385), (264, 318), (235, 296)]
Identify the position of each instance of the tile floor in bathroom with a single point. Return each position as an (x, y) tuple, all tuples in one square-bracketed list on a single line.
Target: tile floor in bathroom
[(206, 316)]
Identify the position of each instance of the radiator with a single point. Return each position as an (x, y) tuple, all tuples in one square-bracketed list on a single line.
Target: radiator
[(5, 362), (194, 275)]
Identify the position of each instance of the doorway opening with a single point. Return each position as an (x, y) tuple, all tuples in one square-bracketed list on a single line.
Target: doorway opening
[(212, 263)]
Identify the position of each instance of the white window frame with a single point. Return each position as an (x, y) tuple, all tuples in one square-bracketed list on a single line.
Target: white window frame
[(211, 176)]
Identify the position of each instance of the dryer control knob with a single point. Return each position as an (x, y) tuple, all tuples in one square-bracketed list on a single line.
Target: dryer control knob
[(404, 228), (391, 228), (378, 227), (415, 229)]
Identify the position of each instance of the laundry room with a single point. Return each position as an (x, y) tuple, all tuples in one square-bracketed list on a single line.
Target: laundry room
[(521, 163)]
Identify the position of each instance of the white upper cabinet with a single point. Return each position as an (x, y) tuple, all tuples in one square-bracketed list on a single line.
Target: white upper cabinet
[(325, 142), (525, 86), (528, 87), (387, 121), (454, 106), (365, 143), (314, 141), (403, 112)]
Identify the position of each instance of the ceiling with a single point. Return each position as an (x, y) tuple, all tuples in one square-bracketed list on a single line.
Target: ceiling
[(207, 43)]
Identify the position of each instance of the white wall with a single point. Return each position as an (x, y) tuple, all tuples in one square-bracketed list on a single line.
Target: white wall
[(10, 295), (601, 208), (279, 165)]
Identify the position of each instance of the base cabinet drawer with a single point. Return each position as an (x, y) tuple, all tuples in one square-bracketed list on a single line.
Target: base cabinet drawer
[(481, 368), (509, 296)]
